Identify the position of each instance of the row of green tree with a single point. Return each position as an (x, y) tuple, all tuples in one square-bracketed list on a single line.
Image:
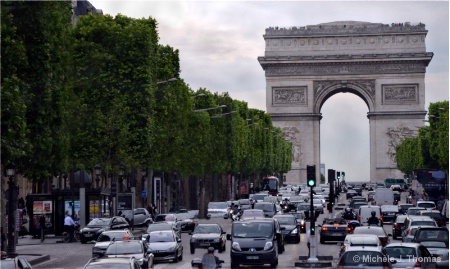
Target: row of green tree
[(429, 149), (100, 92)]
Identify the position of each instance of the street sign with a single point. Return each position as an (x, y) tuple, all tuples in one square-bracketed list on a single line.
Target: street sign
[(144, 194)]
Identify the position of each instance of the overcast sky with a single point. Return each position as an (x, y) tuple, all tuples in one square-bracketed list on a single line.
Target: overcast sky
[(219, 42)]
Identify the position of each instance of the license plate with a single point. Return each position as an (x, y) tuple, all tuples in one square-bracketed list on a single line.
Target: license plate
[(252, 257), (391, 213), (88, 235), (336, 234), (205, 244)]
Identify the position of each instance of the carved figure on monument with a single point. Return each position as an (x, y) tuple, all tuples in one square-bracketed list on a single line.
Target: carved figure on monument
[(396, 136), (293, 134)]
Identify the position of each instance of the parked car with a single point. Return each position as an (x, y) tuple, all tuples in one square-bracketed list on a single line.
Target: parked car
[(166, 246), (18, 262), (98, 225), (141, 217), (291, 227), (208, 235), (106, 238), (260, 239), (379, 231), (131, 248), (410, 255)]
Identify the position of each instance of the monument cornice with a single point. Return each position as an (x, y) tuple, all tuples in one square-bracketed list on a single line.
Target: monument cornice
[(397, 115), (296, 116), (350, 28)]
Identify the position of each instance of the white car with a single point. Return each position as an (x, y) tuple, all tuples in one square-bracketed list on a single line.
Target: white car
[(359, 240), (318, 205)]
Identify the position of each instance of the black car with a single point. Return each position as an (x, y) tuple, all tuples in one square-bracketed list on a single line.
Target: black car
[(358, 190), (333, 230), (291, 227), (351, 193), (107, 263), (256, 242), (305, 208), (403, 208), (397, 226), (187, 225), (208, 235), (301, 219), (98, 225)]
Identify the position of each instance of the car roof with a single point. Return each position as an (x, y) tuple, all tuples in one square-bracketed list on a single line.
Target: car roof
[(268, 220), (419, 217)]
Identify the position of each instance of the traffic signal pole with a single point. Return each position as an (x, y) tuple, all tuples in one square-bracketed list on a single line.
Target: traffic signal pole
[(311, 182)]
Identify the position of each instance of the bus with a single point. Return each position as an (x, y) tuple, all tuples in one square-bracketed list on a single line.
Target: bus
[(271, 185), (388, 182)]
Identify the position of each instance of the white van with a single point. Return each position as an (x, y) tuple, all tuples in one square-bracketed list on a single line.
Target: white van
[(364, 213), (383, 196)]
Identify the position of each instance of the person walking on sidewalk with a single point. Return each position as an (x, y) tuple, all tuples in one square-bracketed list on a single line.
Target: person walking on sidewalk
[(42, 224)]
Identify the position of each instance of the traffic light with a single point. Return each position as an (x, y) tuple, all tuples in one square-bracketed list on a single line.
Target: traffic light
[(313, 229), (71, 204), (331, 175), (339, 175), (343, 174), (311, 175), (113, 189)]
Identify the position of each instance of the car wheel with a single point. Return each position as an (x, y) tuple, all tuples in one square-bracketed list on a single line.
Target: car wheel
[(181, 257), (192, 250), (148, 223), (273, 265), (175, 260), (220, 249), (322, 241)]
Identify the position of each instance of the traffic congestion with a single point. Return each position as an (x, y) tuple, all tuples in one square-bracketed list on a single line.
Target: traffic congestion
[(271, 229)]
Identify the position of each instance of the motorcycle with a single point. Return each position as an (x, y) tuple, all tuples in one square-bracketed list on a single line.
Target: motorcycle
[(235, 215)]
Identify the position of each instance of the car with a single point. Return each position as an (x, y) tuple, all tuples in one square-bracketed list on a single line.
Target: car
[(141, 217), (318, 205), (162, 226), (408, 234), (378, 231), (259, 197), (357, 205), (170, 218), (389, 212), (364, 257), (244, 204), (428, 205), (131, 248), (365, 212), (434, 214), (166, 246), (419, 221), (305, 208), (356, 199), (110, 263), (208, 235), (439, 249), (397, 226), (370, 196), (403, 208), (291, 227), (333, 230), (261, 240), (358, 190), (187, 225), (396, 188), (106, 238), (98, 225), (217, 209), (359, 240), (18, 262), (351, 193), (410, 255), (431, 233), (414, 210), (301, 219), (252, 214), (269, 208)]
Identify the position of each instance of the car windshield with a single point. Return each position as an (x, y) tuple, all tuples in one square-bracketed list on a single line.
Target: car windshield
[(253, 230), (365, 230), (217, 205), (362, 258), (107, 237), (98, 222), (422, 223), (264, 207), (156, 237), (427, 205), (434, 244), (433, 234), (401, 252), (207, 229), (364, 241), (286, 221), (253, 213), (155, 227), (124, 248)]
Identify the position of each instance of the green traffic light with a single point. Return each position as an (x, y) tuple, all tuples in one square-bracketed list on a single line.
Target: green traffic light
[(311, 182), (313, 229)]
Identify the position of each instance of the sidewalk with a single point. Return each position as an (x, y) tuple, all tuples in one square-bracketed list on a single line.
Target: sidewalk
[(28, 240)]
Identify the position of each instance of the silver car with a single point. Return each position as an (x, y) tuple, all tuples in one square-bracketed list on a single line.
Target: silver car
[(105, 238), (140, 217), (410, 255), (439, 249), (364, 257)]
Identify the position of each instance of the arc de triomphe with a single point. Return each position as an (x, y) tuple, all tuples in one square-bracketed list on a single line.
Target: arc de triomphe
[(382, 64)]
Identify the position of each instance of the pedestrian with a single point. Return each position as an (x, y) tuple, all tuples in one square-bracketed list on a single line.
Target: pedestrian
[(42, 224), (69, 225), (3, 240), (308, 242)]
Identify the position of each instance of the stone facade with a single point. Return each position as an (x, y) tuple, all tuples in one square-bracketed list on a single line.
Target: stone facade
[(383, 64)]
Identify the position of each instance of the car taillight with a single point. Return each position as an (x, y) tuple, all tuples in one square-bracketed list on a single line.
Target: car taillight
[(340, 264), (409, 232), (324, 228), (417, 264), (381, 218)]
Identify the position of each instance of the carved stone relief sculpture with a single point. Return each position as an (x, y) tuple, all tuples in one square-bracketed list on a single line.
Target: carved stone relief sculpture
[(400, 93), (289, 95), (396, 136), (293, 135)]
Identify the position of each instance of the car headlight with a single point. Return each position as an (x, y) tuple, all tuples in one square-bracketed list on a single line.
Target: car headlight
[(216, 240), (295, 231), (170, 249), (268, 246), (302, 222), (236, 246)]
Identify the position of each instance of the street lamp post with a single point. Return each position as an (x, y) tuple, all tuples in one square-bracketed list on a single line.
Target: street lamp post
[(98, 172), (12, 205)]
